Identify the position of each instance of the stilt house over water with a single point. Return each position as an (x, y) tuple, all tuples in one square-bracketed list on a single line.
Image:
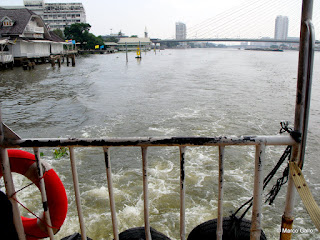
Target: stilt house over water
[(30, 37)]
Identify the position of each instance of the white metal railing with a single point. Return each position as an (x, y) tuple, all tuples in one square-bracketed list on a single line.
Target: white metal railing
[(10, 140), (183, 143)]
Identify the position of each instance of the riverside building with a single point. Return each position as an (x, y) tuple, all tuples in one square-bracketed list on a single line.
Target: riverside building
[(181, 31), (281, 28), (57, 15)]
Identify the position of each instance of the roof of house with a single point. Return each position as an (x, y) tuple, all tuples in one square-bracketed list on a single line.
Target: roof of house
[(54, 37), (21, 18)]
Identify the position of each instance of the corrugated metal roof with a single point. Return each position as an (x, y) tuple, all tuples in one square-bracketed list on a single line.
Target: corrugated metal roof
[(54, 37)]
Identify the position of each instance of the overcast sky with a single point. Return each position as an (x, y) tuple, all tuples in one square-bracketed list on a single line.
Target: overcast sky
[(159, 16)]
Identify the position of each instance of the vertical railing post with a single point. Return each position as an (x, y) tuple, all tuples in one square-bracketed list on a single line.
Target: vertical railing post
[(145, 192), (182, 194), (255, 230), (8, 181), (220, 195), (301, 110), (111, 195), (77, 193), (43, 193)]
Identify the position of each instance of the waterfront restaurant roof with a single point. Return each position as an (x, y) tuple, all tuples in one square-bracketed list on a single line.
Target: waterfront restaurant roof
[(134, 41), (110, 44)]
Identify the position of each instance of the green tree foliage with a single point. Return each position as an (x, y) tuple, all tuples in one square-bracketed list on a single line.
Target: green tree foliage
[(77, 31), (80, 33), (92, 41)]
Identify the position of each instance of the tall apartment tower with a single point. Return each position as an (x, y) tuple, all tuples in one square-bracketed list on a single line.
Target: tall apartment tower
[(181, 31), (281, 28), (57, 15)]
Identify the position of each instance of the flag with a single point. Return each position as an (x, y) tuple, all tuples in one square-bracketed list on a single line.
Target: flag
[(102, 46), (96, 46), (73, 41)]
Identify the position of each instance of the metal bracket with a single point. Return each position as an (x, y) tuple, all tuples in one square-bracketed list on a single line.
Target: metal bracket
[(9, 134)]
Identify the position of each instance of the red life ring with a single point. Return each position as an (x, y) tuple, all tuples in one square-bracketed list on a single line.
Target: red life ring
[(23, 162)]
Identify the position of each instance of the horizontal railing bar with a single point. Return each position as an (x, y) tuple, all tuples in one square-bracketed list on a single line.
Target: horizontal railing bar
[(150, 141)]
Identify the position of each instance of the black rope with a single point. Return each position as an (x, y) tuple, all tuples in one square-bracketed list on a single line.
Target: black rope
[(276, 188), (280, 181), (296, 135)]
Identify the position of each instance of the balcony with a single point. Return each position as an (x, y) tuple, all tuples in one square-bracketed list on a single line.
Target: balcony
[(30, 29)]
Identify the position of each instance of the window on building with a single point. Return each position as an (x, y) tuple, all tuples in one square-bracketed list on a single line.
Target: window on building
[(6, 22)]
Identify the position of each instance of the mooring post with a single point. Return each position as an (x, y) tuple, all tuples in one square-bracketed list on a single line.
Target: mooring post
[(53, 63), (126, 52), (73, 57), (59, 61)]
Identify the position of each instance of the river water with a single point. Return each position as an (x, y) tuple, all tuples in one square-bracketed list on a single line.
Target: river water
[(192, 92)]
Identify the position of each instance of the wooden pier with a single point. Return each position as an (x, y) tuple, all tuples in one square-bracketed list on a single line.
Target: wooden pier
[(61, 58), (96, 51), (30, 63)]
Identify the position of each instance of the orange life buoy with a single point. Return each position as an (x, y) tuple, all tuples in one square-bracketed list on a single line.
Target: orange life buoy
[(24, 163)]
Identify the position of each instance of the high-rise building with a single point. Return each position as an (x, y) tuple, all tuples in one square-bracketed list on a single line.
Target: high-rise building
[(57, 15), (181, 31), (281, 28)]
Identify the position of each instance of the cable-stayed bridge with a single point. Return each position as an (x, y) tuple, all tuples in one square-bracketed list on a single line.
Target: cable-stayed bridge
[(229, 40), (252, 21)]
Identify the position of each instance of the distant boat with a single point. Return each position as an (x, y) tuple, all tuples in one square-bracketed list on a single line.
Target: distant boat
[(265, 49)]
